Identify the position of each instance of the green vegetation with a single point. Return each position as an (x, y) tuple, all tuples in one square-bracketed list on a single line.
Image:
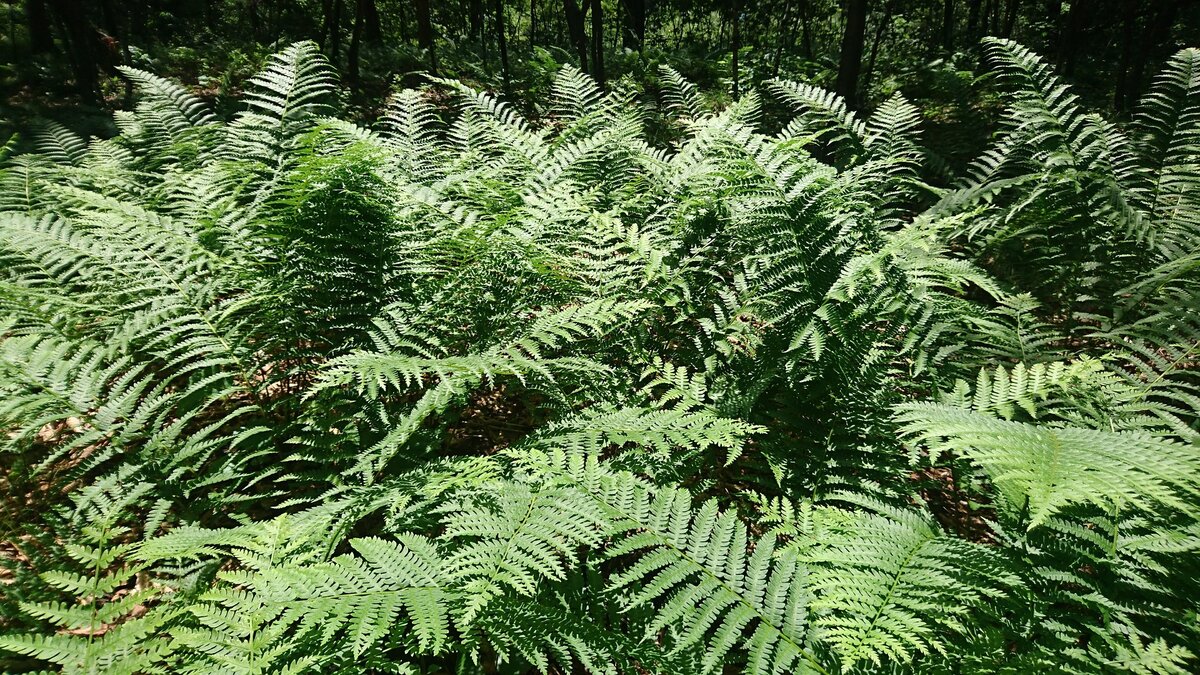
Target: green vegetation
[(638, 384)]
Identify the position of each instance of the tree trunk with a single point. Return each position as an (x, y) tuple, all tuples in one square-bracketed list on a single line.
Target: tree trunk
[(533, 23), (252, 14), (1128, 28), (475, 11), (598, 41), (335, 32), (326, 20), (1072, 42), (787, 37), (1054, 23), (973, 33), (806, 28), (737, 46), (352, 70), (852, 50), (374, 26), (948, 26), (575, 28), (38, 18), (634, 35), (880, 31), (108, 17), (80, 42), (1010, 17), (502, 41), (425, 33), (1153, 41)]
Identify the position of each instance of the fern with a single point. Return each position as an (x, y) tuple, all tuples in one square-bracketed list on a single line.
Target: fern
[(628, 385)]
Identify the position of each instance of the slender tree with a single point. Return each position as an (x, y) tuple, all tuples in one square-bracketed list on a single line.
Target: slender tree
[(335, 31), (37, 17), (973, 27), (1154, 41), (1128, 29), (1010, 17), (597, 41), (80, 38), (806, 28), (850, 63), (948, 26), (533, 24), (634, 34), (1053, 27), (787, 37), (502, 43), (425, 32), (1078, 20), (374, 27), (475, 17), (356, 35), (880, 31), (736, 46), (574, 17)]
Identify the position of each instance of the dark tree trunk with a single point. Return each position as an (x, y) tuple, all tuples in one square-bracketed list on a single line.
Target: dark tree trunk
[(38, 17), (1054, 22), (252, 14), (880, 31), (948, 26), (787, 37), (374, 28), (598, 41), (1128, 28), (502, 42), (425, 33), (1152, 45), (634, 35), (1072, 41), (139, 22), (326, 20), (806, 28), (127, 57), (532, 24), (1010, 17), (852, 50), (210, 15), (574, 17), (973, 32), (80, 41), (475, 18), (335, 32), (352, 70), (736, 46), (108, 17)]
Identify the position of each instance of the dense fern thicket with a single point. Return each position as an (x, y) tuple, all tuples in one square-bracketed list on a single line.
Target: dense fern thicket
[(465, 393)]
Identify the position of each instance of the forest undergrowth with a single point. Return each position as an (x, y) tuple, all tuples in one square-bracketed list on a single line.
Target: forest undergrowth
[(632, 386)]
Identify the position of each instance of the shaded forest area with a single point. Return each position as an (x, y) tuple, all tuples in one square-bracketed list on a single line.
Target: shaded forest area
[(865, 50)]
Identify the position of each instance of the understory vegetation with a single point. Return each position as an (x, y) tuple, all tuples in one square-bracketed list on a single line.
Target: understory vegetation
[(631, 385)]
